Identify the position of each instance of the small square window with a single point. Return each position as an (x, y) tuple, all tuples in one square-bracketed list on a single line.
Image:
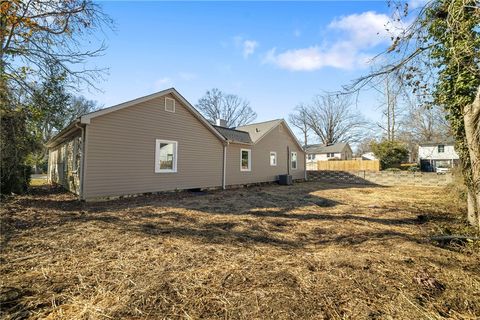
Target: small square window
[(273, 158), (441, 148), (245, 160), (169, 104)]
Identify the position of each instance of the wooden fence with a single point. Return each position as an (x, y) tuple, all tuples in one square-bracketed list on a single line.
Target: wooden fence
[(345, 165)]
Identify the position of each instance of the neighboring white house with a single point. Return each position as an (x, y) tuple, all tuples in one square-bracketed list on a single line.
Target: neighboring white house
[(437, 156), (369, 156), (322, 152)]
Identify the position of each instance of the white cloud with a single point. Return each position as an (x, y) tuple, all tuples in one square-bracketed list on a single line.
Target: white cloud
[(364, 29), (162, 83), (357, 34), (249, 47), (340, 56)]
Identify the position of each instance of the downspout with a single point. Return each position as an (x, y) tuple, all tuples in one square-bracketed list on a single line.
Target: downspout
[(304, 165), (224, 165), (288, 160), (82, 162)]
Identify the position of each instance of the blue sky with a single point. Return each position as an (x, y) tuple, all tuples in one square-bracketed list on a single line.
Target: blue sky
[(274, 54)]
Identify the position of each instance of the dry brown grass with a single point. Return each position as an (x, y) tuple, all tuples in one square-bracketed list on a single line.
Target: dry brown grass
[(308, 251)]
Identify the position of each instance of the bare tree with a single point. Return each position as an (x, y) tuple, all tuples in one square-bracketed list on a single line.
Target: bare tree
[(79, 106), (37, 33), (299, 120), (391, 106), (229, 107), (333, 119)]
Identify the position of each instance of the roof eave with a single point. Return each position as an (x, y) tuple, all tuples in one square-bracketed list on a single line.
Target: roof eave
[(57, 139), (85, 119)]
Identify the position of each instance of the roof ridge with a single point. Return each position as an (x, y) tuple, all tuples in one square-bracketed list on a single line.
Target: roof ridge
[(215, 126), (255, 123)]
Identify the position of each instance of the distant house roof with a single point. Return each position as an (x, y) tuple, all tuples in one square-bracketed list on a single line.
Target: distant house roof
[(234, 135), (322, 148), (258, 130), (369, 156), (447, 141)]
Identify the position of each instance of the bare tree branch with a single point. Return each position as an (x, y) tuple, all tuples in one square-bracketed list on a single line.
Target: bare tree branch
[(229, 107)]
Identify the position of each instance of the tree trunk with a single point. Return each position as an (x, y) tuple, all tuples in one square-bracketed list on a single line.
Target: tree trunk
[(471, 118)]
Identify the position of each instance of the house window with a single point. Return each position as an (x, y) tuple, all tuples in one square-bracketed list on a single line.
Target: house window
[(273, 158), (330, 155), (166, 156), (245, 159), (169, 104), (311, 157), (441, 148), (293, 160)]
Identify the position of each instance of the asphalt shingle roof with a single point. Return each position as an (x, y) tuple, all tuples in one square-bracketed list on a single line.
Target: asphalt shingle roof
[(234, 135), (258, 130), (322, 148)]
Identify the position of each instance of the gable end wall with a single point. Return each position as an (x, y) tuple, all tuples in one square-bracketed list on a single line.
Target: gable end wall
[(120, 156)]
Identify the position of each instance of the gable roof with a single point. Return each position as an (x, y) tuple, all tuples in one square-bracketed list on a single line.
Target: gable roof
[(234, 135), (259, 130), (85, 119), (323, 148), (447, 141)]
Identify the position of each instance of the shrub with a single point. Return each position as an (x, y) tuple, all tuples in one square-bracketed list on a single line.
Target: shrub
[(15, 144), (392, 169), (390, 153), (414, 169)]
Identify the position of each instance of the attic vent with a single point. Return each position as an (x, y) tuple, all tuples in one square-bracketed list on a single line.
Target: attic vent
[(257, 130), (280, 128), (169, 104)]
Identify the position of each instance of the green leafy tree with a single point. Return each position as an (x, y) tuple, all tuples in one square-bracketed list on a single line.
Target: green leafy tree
[(390, 153), (51, 108), (16, 143), (34, 35)]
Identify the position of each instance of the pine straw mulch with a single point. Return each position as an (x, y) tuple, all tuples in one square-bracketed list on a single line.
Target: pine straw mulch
[(313, 250)]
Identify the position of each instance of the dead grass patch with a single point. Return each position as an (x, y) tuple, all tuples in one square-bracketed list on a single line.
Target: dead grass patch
[(311, 251)]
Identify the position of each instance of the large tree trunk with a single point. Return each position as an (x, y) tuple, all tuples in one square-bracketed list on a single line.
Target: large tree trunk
[(471, 118)]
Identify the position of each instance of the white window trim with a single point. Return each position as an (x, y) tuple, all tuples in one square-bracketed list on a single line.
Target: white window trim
[(291, 160), (172, 111), (274, 153), (157, 156), (249, 159)]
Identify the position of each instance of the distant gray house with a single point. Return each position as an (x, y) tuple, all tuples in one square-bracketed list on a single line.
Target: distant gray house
[(437, 156), (323, 152)]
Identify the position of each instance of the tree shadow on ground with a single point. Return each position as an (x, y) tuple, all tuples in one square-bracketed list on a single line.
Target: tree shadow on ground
[(261, 215)]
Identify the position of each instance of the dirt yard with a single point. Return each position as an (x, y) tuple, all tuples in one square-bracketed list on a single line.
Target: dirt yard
[(311, 251)]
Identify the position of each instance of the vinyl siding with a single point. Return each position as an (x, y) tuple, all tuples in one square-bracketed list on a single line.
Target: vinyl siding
[(276, 140), (120, 154), (431, 153)]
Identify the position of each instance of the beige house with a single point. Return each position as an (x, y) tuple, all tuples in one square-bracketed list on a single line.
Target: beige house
[(159, 143)]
